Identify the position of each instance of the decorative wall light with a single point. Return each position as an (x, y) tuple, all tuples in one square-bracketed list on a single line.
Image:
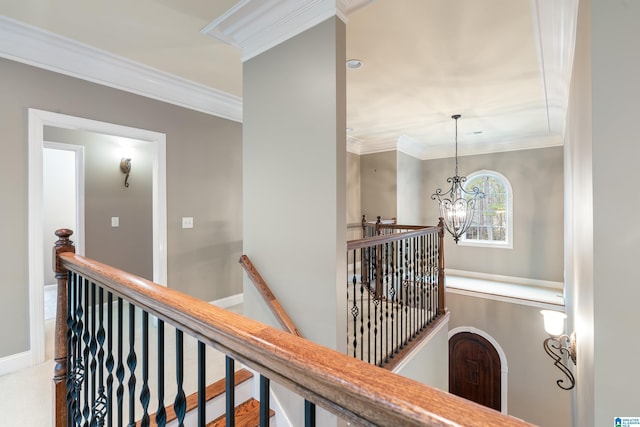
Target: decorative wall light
[(125, 167), (457, 206), (560, 346)]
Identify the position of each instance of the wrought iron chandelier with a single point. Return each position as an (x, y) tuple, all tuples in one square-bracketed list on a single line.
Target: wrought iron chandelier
[(457, 206)]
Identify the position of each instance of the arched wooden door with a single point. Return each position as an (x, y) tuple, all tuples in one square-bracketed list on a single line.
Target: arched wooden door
[(474, 369)]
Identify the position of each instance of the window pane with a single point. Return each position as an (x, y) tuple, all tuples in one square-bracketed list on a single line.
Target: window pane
[(490, 220)]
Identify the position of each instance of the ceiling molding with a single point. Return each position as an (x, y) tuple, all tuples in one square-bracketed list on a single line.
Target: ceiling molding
[(554, 23), (256, 26), (34, 46), (412, 147)]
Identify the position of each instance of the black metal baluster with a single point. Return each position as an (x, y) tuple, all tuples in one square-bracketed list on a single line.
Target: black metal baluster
[(161, 414), (180, 403), (354, 308), (362, 293), (202, 384), (230, 391), (100, 404), (145, 395), (120, 368), (264, 401), (74, 363), (110, 361), (93, 350), (86, 338), (309, 414), (132, 362)]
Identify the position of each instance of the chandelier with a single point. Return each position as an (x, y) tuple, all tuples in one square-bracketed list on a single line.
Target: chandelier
[(457, 206)]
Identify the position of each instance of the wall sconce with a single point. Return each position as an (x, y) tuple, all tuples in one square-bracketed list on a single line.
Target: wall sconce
[(125, 167), (559, 345)]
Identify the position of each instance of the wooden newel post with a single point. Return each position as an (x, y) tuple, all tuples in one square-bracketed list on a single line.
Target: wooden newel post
[(63, 244), (441, 303)]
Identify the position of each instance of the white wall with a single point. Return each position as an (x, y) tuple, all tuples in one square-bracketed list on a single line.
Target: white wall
[(604, 271), (59, 204)]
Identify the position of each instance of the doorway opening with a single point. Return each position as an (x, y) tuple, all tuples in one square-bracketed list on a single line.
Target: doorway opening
[(38, 119)]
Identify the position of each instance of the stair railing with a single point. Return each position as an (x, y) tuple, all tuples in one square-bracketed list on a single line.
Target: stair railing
[(265, 291), (395, 290), (103, 372)]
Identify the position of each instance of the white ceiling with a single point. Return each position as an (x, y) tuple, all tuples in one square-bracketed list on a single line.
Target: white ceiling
[(503, 64)]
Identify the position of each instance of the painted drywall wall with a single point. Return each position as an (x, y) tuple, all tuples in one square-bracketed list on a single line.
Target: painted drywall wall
[(129, 246), (58, 201), (295, 209), (354, 209), (430, 365), (409, 188), (204, 181), (294, 185), (579, 224), (378, 174), (532, 391), (536, 178), (605, 294)]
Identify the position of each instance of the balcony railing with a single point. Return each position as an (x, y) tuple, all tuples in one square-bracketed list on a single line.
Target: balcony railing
[(111, 369), (395, 289)]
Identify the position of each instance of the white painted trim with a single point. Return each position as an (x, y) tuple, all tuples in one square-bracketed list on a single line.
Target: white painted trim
[(504, 368), (37, 120), (229, 301), (411, 147), (414, 352), (525, 281), (509, 232), (34, 46), (255, 26), (503, 298), (15, 362)]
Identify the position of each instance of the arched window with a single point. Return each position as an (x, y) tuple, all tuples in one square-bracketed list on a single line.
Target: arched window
[(493, 220)]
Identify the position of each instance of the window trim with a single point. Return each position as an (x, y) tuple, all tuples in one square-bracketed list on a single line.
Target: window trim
[(508, 244)]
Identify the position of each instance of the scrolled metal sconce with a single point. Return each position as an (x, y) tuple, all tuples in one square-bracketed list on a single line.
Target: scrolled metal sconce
[(560, 346), (125, 167)]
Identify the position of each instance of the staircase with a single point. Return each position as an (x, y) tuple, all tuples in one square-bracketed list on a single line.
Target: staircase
[(247, 413)]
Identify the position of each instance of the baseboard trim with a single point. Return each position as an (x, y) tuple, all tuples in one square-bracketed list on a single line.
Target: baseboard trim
[(15, 362), (228, 301)]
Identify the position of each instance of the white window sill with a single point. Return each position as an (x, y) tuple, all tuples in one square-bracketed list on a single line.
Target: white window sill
[(504, 291)]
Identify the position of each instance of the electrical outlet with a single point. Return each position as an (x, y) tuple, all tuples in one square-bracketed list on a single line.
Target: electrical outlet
[(187, 222), (115, 221)]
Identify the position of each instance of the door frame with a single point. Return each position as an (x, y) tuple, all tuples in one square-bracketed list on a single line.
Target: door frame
[(504, 369), (38, 119)]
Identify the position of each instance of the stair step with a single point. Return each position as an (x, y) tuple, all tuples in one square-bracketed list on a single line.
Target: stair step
[(211, 392), (247, 415)]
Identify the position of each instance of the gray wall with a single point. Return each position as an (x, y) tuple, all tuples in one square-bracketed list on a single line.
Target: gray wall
[(204, 180), (518, 329), (378, 174), (409, 179), (295, 209), (128, 247), (536, 178), (354, 209)]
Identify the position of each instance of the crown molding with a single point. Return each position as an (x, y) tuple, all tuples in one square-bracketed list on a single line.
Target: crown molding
[(34, 46), (554, 24), (256, 26), (412, 147)]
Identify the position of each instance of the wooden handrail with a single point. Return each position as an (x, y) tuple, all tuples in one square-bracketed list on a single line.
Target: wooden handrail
[(261, 285), (341, 384), (388, 238)]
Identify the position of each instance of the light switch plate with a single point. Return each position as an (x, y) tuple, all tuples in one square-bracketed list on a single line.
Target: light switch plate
[(115, 221), (187, 222)]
